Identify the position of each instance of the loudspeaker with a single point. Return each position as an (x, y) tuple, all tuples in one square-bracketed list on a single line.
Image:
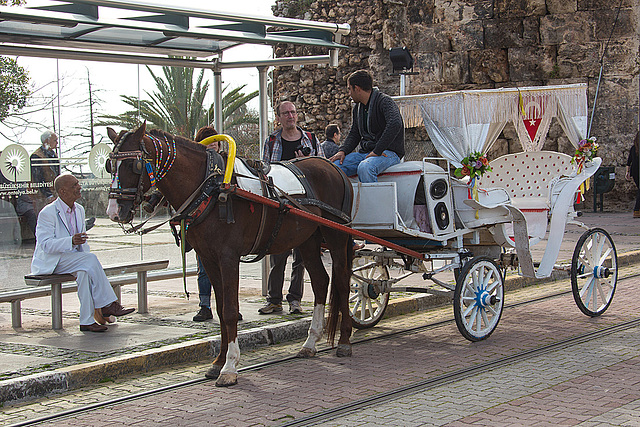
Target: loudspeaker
[(439, 197)]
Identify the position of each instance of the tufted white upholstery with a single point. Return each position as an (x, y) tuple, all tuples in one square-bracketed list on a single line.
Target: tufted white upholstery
[(526, 176)]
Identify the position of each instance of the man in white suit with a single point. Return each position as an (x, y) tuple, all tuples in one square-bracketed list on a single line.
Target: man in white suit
[(61, 248)]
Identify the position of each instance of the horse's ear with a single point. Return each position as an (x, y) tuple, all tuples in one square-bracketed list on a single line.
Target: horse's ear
[(139, 133), (112, 134)]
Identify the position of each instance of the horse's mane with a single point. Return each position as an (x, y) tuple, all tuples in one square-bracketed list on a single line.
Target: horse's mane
[(180, 140)]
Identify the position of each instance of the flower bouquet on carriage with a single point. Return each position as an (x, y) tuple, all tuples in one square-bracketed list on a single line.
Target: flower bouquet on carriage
[(586, 151), (474, 166)]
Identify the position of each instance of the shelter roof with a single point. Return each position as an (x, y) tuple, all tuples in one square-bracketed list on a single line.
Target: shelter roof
[(143, 32)]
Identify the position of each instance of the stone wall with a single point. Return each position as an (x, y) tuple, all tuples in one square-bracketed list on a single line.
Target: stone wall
[(477, 44)]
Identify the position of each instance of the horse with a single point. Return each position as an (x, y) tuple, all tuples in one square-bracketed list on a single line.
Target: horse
[(177, 167)]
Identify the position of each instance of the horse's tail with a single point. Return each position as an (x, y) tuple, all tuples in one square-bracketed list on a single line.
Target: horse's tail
[(339, 295)]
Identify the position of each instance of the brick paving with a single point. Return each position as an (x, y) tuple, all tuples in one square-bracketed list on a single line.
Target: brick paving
[(591, 383)]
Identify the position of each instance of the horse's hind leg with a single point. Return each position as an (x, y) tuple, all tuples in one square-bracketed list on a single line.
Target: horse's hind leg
[(311, 255), (341, 256)]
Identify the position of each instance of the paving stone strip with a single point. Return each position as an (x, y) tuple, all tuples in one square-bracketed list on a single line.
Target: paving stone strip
[(114, 387)]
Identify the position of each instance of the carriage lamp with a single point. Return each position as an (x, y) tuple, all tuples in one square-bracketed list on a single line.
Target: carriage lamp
[(402, 63)]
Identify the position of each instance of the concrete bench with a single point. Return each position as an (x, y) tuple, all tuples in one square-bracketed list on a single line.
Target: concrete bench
[(57, 284)]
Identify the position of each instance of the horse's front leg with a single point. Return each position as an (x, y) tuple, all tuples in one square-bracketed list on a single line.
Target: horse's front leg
[(230, 270)]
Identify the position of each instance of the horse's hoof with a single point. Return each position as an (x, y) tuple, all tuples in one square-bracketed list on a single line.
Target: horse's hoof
[(226, 380), (213, 372), (344, 350), (306, 353)]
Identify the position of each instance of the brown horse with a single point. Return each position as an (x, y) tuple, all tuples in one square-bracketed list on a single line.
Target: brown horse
[(178, 166)]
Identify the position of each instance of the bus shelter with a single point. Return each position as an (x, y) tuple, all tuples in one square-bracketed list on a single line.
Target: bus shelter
[(136, 32)]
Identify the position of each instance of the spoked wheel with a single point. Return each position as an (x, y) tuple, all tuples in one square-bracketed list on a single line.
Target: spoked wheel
[(594, 272), (478, 299), (366, 304)]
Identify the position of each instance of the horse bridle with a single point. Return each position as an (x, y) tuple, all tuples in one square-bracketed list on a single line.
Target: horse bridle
[(142, 161)]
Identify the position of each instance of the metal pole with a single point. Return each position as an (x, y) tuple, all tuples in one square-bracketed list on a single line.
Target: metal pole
[(217, 100), (403, 84), (59, 122), (142, 292), (264, 131), (56, 305)]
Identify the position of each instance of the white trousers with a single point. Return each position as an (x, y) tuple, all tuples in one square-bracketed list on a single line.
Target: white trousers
[(94, 289)]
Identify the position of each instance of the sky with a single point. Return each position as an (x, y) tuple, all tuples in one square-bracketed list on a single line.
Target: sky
[(113, 80)]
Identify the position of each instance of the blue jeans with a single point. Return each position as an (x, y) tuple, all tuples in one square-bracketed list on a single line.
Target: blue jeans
[(367, 168), (204, 285)]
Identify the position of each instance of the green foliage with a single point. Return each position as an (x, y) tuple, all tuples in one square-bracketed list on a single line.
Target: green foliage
[(14, 87), (12, 2), (177, 105)]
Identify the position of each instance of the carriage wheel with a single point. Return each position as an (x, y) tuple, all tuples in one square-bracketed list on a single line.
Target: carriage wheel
[(594, 272), (478, 298), (366, 304)]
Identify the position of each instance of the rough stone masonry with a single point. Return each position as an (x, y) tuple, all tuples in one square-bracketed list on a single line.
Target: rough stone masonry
[(480, 44)]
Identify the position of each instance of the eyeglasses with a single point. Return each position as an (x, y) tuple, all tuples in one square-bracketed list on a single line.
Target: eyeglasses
[(288, 113)]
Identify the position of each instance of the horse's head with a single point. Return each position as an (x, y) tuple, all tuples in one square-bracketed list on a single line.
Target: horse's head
[(129, 178)]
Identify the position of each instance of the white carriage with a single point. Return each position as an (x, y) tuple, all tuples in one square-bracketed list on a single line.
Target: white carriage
[(420, 206)]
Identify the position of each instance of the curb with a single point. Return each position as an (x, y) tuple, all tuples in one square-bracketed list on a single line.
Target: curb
[(72, 377)]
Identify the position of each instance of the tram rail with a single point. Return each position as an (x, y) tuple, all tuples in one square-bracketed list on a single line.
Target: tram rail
[(390, 395)]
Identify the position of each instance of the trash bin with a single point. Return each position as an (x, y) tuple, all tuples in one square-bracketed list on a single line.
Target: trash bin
[(604, 181)]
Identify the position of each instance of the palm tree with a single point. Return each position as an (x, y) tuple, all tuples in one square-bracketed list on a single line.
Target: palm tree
[(177, 105)]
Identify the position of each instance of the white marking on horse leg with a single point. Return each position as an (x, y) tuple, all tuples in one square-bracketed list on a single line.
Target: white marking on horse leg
[(315, 330), (233, 357)]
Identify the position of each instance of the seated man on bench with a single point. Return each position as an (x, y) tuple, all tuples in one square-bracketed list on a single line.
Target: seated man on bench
[(61, 248)]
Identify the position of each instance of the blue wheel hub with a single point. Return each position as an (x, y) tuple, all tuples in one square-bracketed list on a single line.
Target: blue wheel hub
[(601, 272), (483, 298)]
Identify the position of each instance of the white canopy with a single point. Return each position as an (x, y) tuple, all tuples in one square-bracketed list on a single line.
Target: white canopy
[(463, 122)]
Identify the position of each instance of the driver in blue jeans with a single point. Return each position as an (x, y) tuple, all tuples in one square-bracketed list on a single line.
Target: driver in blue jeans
[(377, 129)]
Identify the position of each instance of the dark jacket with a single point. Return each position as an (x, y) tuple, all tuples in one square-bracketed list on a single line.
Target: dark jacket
[(386, 128), (633, 163)]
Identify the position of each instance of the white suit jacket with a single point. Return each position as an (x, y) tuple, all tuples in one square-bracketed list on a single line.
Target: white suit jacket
[(53, 236)]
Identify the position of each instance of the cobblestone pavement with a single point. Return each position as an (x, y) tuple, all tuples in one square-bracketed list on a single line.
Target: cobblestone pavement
[(593, 383)]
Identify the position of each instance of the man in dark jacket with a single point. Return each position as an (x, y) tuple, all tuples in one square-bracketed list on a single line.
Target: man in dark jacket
[(377, 128)]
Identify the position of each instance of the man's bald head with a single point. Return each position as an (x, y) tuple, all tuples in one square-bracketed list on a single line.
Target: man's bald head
[(62, 181), (68, 188)]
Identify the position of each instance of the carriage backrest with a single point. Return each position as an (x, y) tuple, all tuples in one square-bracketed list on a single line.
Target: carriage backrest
[(527, 174)]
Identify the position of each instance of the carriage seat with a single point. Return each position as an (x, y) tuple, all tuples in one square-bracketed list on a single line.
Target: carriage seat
[(403, 168), (528, 178)]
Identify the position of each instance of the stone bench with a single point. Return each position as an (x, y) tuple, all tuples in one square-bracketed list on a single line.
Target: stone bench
[(57, 284)]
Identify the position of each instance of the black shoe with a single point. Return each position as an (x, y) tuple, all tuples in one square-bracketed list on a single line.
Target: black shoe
[(203, 314)]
